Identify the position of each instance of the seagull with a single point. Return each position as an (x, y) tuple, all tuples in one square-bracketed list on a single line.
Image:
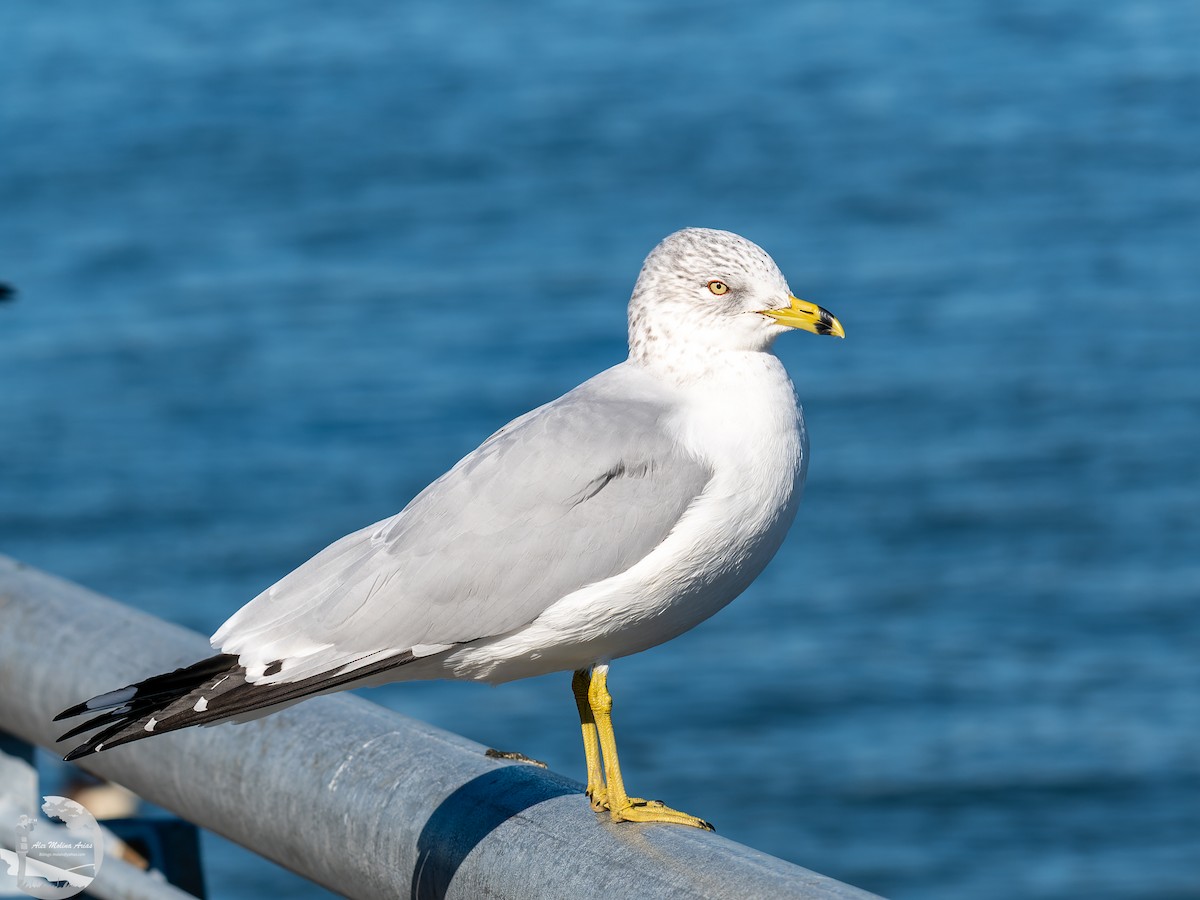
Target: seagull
[(601, 524)]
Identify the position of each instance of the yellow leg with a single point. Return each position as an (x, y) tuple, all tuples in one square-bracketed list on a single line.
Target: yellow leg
[(591, 744), (621, 806)]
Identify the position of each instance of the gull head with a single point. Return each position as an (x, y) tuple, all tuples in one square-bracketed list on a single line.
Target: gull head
[(704, 291)]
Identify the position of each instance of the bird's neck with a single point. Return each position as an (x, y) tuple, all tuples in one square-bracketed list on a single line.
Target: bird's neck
[(702, 366)]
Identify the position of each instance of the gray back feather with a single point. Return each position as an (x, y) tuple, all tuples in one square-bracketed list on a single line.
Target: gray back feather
[(562, 497)]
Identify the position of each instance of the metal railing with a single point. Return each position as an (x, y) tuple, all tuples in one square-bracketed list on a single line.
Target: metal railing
[(362, 800)]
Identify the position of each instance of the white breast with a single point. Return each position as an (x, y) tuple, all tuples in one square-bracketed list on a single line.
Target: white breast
[(741, 417)]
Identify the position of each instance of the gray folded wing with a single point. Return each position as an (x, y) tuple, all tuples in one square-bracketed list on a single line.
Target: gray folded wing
[(565, 496)]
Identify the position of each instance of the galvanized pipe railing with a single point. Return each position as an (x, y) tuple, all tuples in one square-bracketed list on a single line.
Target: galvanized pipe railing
[(355, 797)]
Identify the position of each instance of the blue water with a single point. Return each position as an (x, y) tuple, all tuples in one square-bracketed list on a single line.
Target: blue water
[(281, 265)]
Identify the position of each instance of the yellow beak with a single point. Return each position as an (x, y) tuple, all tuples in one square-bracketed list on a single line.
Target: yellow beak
[(806, 316)]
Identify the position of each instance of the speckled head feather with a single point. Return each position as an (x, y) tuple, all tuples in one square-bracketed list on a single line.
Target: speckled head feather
[(675, 314)]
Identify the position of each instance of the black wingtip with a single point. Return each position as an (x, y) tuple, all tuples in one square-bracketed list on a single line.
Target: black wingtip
[(107, 700), (71, 711), (76, 753), (85, 749), (86, 725), (98, 703), (165, 702), (77, 730)]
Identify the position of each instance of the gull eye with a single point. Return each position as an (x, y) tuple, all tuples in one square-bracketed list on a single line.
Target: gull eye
[(718, 287)]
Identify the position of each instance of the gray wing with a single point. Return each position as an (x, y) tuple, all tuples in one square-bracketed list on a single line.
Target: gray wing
[(565, 496)]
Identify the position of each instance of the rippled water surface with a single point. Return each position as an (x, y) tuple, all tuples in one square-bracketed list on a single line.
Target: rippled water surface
[(280, 266)]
